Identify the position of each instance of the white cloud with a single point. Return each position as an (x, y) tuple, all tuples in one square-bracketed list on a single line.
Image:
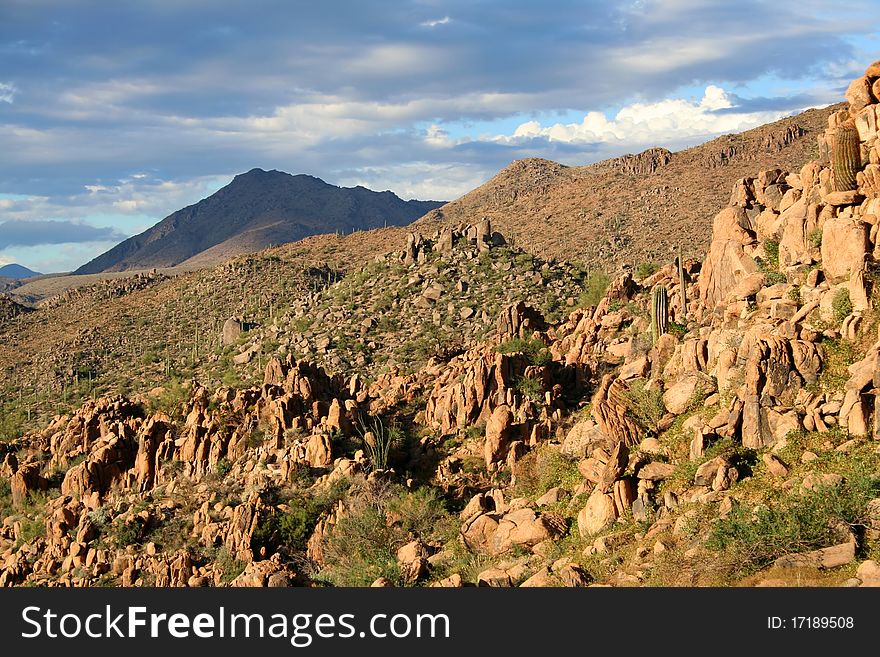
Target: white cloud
[(7, 92), (437, 136), (667, 121), (442, 21), (420, 180)]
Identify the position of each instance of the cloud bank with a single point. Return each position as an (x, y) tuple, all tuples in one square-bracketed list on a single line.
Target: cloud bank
[(35, 232)]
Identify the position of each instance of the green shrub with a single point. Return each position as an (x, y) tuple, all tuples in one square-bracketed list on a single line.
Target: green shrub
[(361, 549), (31, 529), (814, 238), (380, 518), (296, 525), (13, 422), (124, 532), (174, 395), (533, 349), (771, 248), (5, 497), (223, 467), (301, 325), (753, 539), (417, 513), (594, 290), (645, 404), (646, 269), (530, 387), (545, 468), (770, 266), (841, 304), (228, 564), (839, 355)]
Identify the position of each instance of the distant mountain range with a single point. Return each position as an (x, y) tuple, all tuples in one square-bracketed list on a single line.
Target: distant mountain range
[(17, 271), (257, 209)]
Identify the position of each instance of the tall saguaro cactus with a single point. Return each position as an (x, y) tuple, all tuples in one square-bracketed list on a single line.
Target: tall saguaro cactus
[(659, 311), (846, 157), (682, 287)]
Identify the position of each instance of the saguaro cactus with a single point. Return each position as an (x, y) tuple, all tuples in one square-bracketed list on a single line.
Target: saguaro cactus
[(682, 286), (846, 158), (659, 311)]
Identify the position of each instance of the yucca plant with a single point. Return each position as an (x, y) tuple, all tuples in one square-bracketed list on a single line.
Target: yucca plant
[(377, 440)]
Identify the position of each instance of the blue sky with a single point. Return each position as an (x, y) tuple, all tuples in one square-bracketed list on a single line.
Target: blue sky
[(113, 115)]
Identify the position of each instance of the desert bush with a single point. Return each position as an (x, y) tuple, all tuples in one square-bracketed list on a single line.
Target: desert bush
[(380, 518), (754, 538), (5, 497), (534, 350), (126, 532), (228, 564), (841, 304), (361, 549), (223, 467), (545, 468), (530, 387), (770, 266), (594, 290), (771, 248), (645, 404), (420, 513), (645, 269)]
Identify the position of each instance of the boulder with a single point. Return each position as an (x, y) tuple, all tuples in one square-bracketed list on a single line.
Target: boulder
[(611, 412), (232, 329), (413, 561), (844, 247), (494, 577), (597, 515), (656, 471), (497, 435), (830, 557), (859, 94), (749, 286), (684, 391), (727, 263), (319, 452), (26, 480), (869, 573), (581, 437)]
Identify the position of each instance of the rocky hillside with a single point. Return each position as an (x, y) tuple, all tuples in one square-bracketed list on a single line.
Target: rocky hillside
[(257, 209), (711, 422), (136, 332), (430, 299), (633, 209)]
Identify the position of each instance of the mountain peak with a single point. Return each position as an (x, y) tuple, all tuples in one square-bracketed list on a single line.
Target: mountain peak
[(14, 270), (254, 210)]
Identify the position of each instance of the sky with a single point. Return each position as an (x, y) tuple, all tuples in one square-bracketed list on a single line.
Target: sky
[(115, 114)]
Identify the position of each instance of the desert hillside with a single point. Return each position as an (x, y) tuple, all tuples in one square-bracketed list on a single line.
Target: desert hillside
[(632, 209)]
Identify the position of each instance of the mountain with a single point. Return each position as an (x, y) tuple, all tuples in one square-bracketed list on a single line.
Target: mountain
[(635, 208), (17, 271), (257, 209)]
